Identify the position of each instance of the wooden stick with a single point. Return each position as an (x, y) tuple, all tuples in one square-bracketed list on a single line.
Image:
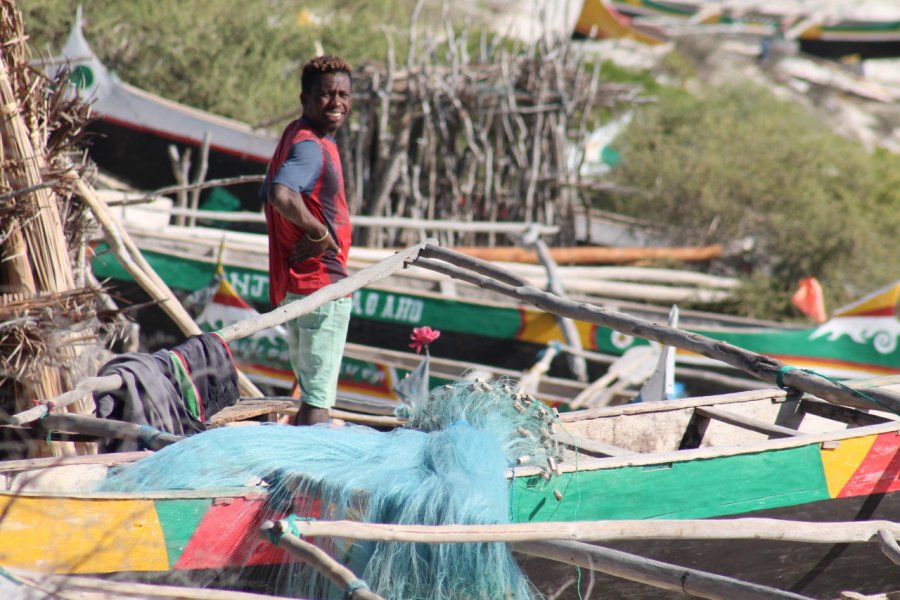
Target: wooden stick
[(758, 425), (224, 182), (340, 575), (653, 572), (608, 531), (763, 367), (133, 261), (76, 586), (108, 428), (593, 255), (887, 541), (84, 387), (344, 287), (242, 328)]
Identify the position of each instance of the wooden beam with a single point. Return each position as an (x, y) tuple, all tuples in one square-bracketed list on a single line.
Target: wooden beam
[(494, 278), (607, 531), (341, 576), (344, 287), (842, 414), (653, 572), (107, 428), (726, 416)]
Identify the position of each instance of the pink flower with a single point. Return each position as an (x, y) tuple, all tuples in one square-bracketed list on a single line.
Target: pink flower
[(422, 336)]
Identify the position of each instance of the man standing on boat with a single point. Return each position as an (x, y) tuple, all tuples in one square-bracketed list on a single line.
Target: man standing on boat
[(309, 232)]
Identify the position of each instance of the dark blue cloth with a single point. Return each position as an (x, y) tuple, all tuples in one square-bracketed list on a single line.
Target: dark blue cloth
[(150, 394)]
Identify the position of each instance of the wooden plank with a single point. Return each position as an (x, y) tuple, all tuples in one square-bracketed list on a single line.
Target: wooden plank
[(108, 460), (842, 414), (251, 408), (653, 572), (677, 456), (726, 416), (590, 446)]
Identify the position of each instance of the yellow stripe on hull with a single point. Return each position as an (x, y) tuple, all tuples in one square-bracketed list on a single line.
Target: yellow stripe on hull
[(841, 463), (597, 18), (72, 536)]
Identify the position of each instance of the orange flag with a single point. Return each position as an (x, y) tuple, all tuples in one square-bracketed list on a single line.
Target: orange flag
[(809, 299)]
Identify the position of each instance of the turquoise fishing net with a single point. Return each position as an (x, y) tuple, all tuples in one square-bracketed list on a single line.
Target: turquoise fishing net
[(448, 466)]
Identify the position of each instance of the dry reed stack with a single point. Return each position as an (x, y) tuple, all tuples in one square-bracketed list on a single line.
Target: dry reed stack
[(483, 135), (48, 314)]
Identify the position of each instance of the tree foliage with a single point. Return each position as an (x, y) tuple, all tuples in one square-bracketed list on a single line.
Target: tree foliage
[(240, 60), (738, 163)]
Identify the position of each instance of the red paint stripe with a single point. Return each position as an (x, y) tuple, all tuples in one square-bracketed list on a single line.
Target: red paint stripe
[(522, 321), (226, 299), (184, 139), (836, 362), (228, 536), (593, 338), (879, 471)]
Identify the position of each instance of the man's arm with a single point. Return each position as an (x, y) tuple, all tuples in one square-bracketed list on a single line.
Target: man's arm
[(299, 173), (291, 206)]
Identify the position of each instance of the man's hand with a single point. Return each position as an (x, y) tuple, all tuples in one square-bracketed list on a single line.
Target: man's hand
[(305, 248)]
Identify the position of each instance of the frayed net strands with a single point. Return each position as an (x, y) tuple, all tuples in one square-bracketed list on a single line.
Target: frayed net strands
[(448, 467)]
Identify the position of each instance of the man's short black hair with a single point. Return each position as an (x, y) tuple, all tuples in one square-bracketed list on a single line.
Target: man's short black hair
[(318, 66)]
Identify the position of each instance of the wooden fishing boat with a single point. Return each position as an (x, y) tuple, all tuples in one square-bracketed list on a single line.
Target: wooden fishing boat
[(817, 31), (752, 454), (131, 122), (860, 340)]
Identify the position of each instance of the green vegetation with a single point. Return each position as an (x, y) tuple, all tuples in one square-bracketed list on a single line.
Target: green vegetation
[(240, 60), (738, 163)]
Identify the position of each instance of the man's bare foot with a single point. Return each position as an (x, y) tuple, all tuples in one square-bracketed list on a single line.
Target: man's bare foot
[(310, 415)]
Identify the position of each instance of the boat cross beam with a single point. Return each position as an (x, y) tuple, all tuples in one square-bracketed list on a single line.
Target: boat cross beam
[(491, 277)]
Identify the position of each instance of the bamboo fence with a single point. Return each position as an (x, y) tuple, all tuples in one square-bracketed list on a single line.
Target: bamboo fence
[(468, 130)]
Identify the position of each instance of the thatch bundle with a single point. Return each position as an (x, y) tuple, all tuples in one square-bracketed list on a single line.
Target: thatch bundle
[(47, 310)]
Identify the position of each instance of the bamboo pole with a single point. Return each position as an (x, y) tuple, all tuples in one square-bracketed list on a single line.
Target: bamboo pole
[(133, 261), (690, 582), (342, 288), (609, 531), (249, 326), (493, 278), (340, 575)]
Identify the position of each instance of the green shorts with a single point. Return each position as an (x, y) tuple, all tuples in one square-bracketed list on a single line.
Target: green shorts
[(316, 345)]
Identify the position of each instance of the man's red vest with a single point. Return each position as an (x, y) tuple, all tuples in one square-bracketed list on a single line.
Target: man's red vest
[(329, 205)]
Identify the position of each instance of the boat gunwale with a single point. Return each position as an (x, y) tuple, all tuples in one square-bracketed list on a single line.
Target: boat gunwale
[(678, 456), (889, 382)]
